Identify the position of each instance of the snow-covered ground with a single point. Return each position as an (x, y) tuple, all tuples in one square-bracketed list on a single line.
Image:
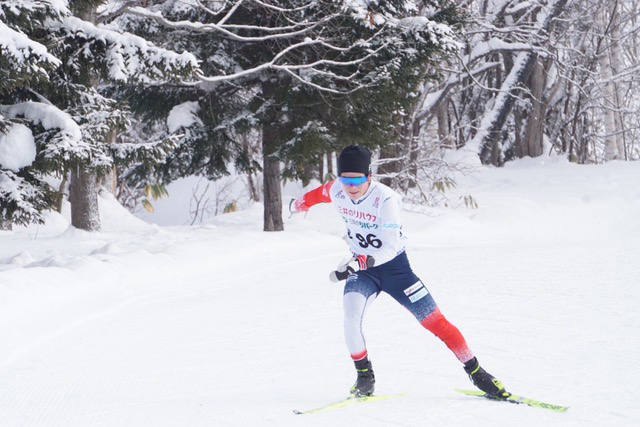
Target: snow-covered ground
[(225, 325)]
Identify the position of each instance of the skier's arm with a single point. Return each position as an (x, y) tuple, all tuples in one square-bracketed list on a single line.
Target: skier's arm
[(313, 197)]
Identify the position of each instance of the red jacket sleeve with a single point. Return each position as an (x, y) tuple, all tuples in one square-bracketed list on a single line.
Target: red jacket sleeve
[(313, 197), (319, 195)]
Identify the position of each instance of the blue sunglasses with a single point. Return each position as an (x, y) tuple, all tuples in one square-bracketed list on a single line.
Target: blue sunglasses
[(354, 181)]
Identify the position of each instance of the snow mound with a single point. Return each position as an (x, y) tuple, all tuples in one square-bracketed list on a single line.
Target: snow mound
[(115, 217)]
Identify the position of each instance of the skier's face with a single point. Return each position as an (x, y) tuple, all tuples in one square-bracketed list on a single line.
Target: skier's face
[(355, 184)]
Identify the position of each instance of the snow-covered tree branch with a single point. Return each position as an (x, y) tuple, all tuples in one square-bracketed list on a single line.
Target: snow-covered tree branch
[(305, 38)]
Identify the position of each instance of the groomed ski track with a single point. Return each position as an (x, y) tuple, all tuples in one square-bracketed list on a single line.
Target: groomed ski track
[(225, 325)]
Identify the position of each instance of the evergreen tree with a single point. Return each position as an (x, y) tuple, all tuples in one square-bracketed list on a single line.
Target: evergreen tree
[(24, 61), (72, 112), (311, 76)]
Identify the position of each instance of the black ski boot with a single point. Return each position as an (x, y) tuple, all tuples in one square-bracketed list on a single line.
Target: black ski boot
[(366, 380), (484, 380)]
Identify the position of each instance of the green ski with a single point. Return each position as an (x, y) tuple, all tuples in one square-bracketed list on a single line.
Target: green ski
[(514, 398), (348, 401)]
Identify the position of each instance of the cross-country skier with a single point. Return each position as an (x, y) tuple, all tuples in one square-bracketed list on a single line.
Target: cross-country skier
[(371, 212)]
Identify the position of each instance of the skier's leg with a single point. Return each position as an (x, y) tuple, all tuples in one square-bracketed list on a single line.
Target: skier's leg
[(437, 324), (399, 281), (451, 336), (421, 304), (418, 300), (359, 292)]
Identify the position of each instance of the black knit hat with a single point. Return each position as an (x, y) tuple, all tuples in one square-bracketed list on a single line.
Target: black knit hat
[(355, 158)]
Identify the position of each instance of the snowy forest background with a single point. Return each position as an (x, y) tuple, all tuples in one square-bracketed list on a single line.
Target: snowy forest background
[(127, 96)]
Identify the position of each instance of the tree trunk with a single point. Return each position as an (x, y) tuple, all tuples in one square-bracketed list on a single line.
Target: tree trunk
[(110, 180), (309, 171), (59, 197), (493, 122), (443, 126), (329, 163), (253, 190), (83, 188), (608, 113), (582, 142), (413, 156), (83, 195), (271, 181), (271, 165), (611, 65), (518, 134), (390, 167), (531, 144)]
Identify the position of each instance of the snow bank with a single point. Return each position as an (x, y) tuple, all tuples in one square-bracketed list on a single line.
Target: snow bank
[(117, 218)]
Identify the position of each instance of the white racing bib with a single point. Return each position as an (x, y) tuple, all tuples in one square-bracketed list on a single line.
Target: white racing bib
[(373, 222)]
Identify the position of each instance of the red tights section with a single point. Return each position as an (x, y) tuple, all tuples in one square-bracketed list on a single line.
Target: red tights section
[(359, 356), (449, 334)]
